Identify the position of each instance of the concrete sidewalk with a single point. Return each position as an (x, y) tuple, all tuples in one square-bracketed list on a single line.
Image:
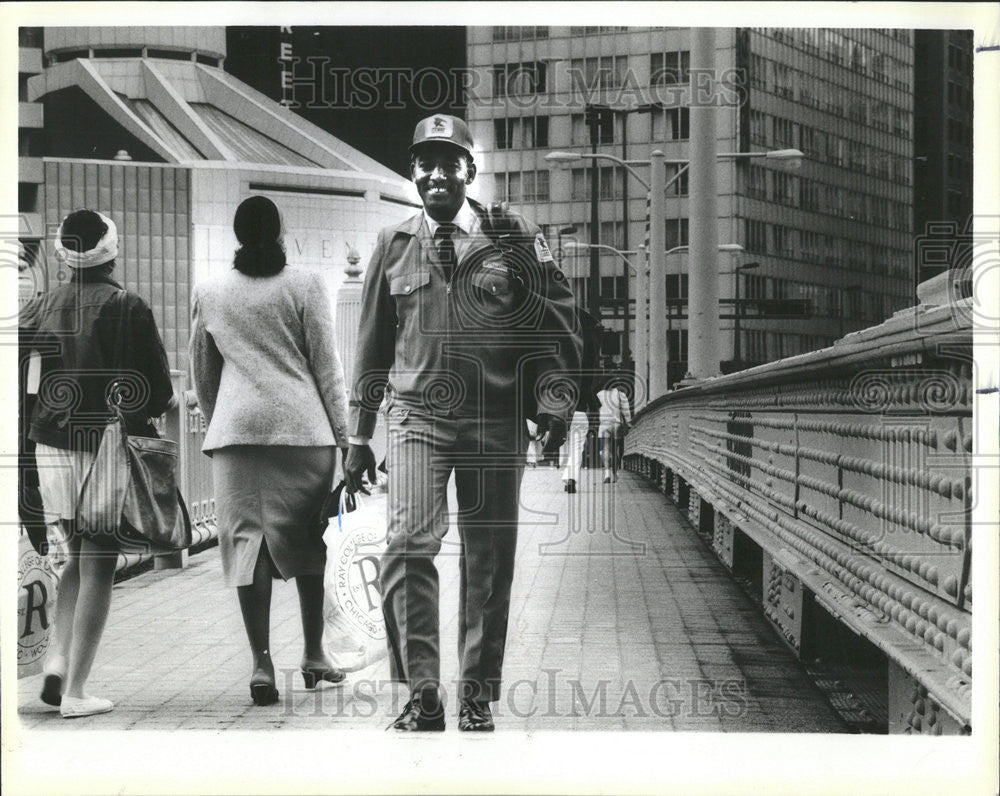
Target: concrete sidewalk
[(621, 620)]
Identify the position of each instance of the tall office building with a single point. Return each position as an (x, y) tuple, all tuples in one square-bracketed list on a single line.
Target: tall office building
[(942, 148), (832, 240)]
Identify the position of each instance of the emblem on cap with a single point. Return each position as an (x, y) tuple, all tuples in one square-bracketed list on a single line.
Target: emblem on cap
[(440, 126)]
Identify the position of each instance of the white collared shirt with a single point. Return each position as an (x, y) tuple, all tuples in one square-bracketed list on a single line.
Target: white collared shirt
[(468, 225)]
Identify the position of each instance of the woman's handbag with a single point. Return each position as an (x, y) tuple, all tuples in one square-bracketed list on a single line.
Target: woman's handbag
[(130, 495)]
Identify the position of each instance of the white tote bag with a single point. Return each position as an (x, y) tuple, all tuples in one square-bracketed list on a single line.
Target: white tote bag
[(352, 606)]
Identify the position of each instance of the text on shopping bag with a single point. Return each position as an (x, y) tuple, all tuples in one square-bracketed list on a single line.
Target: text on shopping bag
[(357, 576)]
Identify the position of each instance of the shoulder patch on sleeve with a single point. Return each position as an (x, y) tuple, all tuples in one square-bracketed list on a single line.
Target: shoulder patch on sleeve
[(542, 252)]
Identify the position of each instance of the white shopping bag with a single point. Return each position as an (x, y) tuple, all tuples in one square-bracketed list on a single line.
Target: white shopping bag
[(352, 606)]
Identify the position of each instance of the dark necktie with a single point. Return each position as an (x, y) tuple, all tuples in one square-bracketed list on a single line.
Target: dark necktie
[(444, 237)]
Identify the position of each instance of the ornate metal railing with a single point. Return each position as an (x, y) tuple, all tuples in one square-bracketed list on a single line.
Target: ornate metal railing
[(841, 479)]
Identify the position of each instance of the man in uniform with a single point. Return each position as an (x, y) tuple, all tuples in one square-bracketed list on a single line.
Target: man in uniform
[(470, 324)]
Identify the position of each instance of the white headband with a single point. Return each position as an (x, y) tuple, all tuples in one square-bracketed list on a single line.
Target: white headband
[(104, 252)]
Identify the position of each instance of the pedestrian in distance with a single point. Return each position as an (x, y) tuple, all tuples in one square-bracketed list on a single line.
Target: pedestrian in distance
[(96, 343), (586, 410), (534, 444), (271, 387), (468, 324), (615, 418)]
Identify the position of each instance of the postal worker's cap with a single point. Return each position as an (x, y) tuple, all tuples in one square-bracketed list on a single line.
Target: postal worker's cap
[(441, 127)]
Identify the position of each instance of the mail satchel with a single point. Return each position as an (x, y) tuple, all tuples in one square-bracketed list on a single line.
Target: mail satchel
[(130, 496)]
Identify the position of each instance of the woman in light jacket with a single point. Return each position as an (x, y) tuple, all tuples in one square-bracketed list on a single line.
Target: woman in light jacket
[(271, 387)]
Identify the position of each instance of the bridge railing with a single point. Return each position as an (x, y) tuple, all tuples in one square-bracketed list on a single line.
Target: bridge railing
[(841, 479)]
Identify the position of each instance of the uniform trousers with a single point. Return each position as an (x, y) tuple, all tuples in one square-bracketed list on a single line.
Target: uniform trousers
[(486, 456)]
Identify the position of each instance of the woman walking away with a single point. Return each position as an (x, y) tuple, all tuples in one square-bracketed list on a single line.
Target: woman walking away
[(97, 343), (615, 419), (271, 387)]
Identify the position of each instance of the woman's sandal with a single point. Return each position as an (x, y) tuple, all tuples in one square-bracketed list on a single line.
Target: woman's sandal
[(313, 675), (262, 689)]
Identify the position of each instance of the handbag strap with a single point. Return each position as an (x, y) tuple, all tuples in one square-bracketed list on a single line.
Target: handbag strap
[(349, 503), (184, 511), (119, 355)]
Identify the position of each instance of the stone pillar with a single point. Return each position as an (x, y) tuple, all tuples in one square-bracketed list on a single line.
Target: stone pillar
[(348, 314)]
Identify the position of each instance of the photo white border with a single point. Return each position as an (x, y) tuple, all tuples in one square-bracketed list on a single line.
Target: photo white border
[(334, 761)]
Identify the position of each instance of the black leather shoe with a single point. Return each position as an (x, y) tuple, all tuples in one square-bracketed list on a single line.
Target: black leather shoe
[(413, 719), (475, 717)]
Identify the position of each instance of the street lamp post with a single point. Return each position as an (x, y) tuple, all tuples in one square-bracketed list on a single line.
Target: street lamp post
[(624, 113), (657, 234), (593, 119), (658, 354)]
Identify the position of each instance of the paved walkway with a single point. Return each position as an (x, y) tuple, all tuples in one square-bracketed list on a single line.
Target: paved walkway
[(634, 626)]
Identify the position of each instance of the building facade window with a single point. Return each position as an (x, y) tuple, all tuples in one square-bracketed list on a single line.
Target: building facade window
[(783, 80), (784, 133), (519, 79), (677, 232), (676, 186), (609, 185), (809, 194), (529, 132), (669, 68), (577, 30), (756, 236), (594, 74), (758, 128), (757, 182), (611, 233), (758, 71), (784, 188), (519, 33), (580, 130), (522, 186), (782, 239), (673, 124), (677, 286), (756, 286)]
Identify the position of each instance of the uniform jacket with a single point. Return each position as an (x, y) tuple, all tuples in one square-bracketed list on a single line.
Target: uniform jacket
[(90, 334), (498, 339), (266, 371)]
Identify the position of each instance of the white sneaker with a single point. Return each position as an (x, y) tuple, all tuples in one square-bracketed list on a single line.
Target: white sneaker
[(75, 707)]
